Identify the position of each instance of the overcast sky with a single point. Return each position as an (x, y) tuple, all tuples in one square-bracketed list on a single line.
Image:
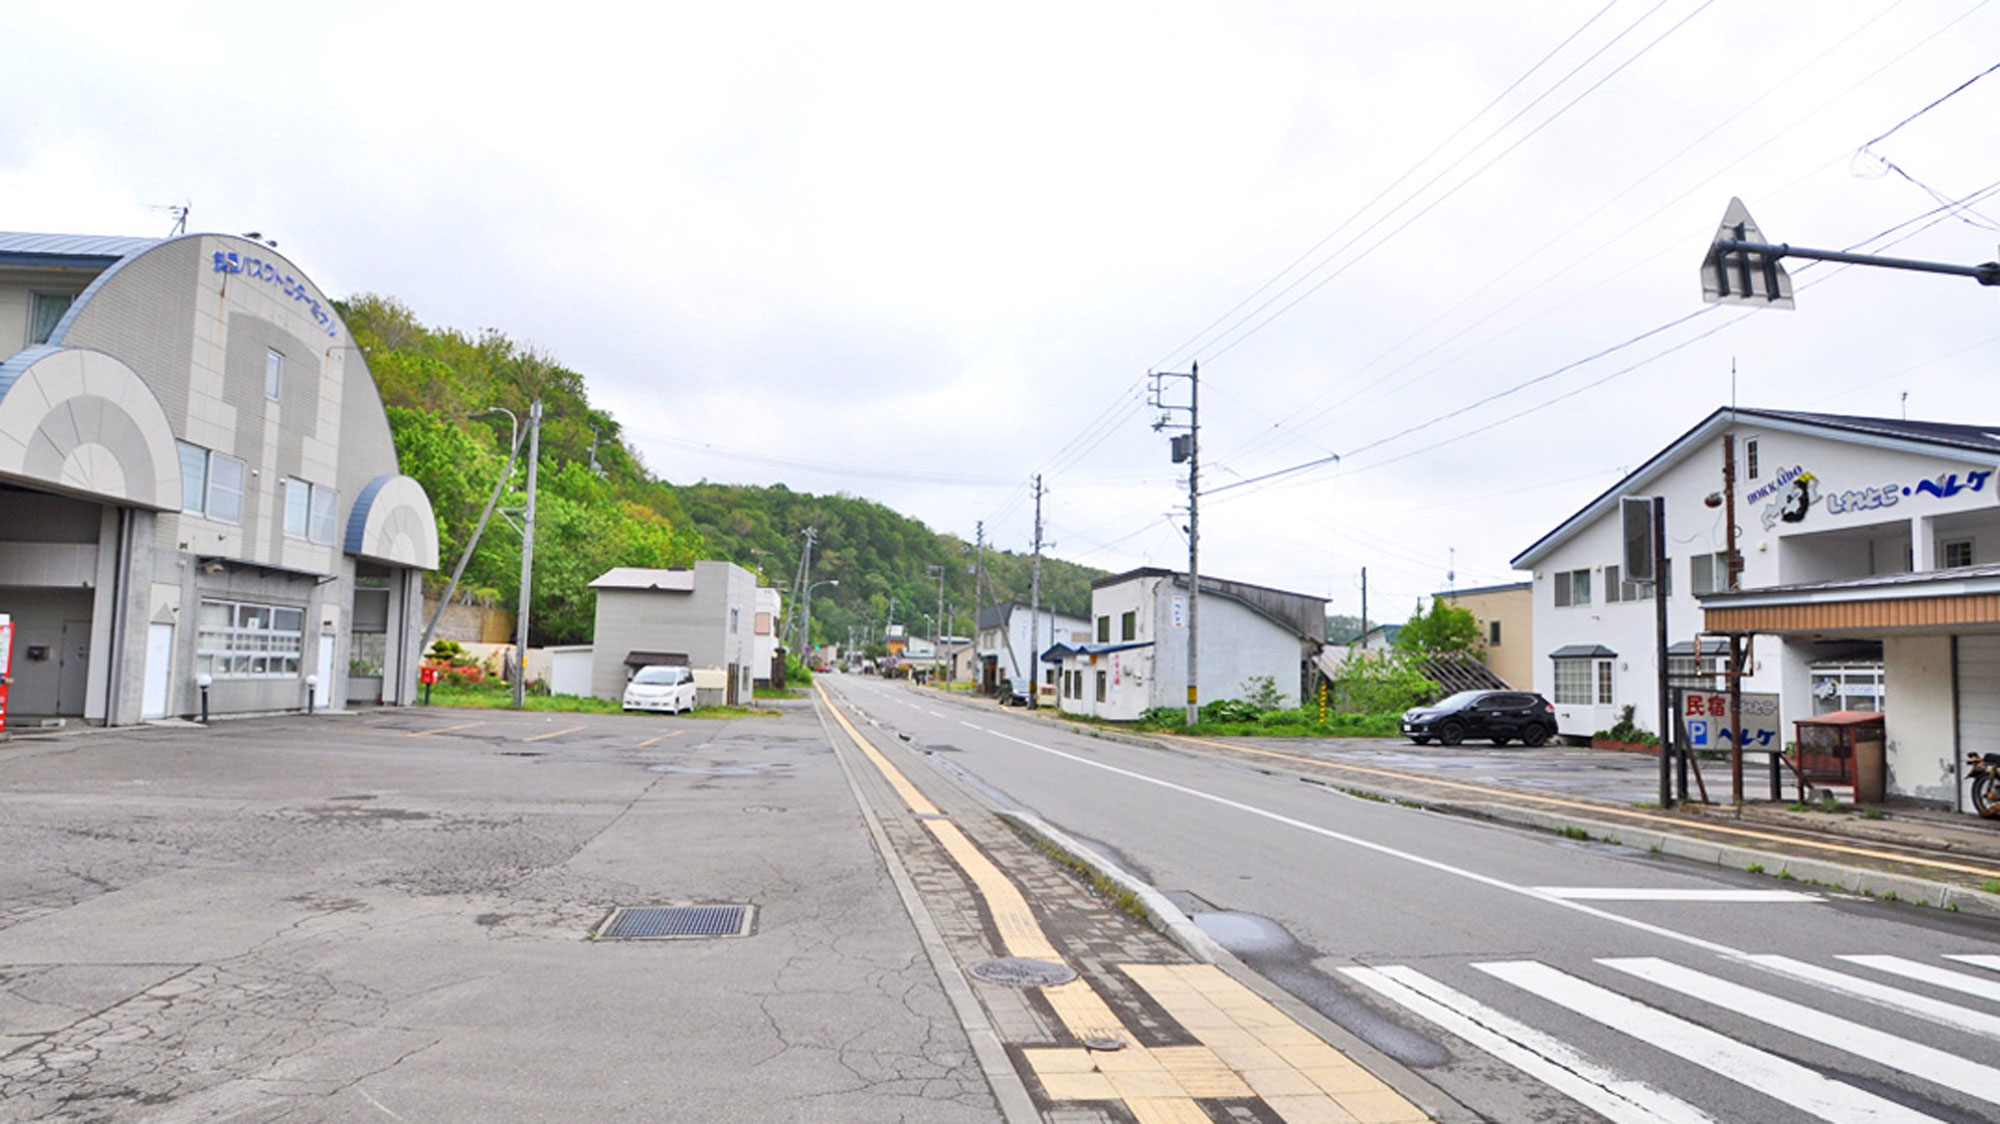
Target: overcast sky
[(921, 252)]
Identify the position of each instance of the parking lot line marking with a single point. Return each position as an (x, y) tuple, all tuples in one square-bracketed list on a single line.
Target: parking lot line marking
[(552, 734), (651, 740), (443, 729)]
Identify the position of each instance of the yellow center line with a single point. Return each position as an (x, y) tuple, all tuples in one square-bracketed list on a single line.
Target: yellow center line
[(651, 740), (552, 734), (1598, 809), (1299, 1077), (443, 729)]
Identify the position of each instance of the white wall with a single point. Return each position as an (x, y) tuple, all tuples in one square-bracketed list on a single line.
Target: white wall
[(1775, 551), (1917, 677)]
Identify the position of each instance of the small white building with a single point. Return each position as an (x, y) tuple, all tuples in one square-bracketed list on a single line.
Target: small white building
[(770, 605), (704, 619), (1137, 658), (1870, 581), (1007, 636)]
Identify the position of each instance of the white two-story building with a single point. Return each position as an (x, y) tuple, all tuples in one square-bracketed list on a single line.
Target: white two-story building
[(1139, 657), (1870, 581)]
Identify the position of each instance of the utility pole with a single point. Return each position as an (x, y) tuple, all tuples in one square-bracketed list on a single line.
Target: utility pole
[(937, 623), (803, 591), (1735, 570), (1364, 604), (1187, 447), (527, 557), (1035, 606)]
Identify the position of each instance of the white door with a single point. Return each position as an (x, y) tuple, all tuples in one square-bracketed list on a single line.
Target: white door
[(1978, 698), (159, 669), (323, 690)]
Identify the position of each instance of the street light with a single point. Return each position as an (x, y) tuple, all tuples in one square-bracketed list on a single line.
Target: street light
[(806, 617)]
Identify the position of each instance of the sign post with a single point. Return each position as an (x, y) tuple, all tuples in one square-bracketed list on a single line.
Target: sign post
[(1708, 723)]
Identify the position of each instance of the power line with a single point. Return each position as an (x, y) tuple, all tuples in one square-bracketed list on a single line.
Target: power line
[(1180, 352), (1245, 334)]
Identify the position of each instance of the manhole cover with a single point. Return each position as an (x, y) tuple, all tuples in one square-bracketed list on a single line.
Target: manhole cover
[(669, 922), (1014, 971)]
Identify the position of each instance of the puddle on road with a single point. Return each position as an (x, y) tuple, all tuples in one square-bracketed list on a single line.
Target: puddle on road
[(1275, 954)]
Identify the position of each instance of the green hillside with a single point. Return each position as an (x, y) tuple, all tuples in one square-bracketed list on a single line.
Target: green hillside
[(435, 383)]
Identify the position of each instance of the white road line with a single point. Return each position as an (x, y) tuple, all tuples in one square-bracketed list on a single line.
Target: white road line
[(1895, 998), (1977, 960), (939, 714), (1930, 974), (1392, 852), (970, 726), (1644, 894), (1767, 1073), (1914, 1058), (1540, 1056)]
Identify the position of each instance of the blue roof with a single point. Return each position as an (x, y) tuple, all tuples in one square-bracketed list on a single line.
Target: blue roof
[(76, 250)]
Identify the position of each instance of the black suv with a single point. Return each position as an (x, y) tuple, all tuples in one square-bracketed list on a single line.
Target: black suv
[(1500, 715)]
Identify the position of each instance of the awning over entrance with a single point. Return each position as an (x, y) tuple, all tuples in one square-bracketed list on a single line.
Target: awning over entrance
[(83, 423), (1927, 601)]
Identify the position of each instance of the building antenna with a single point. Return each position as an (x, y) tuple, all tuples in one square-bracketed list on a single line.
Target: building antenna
[(1906, 405)]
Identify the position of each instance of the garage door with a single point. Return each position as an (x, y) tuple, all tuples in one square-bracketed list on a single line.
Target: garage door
[(1979, 694)]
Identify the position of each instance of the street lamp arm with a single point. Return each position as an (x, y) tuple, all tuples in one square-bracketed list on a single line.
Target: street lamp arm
[(1986, 273)]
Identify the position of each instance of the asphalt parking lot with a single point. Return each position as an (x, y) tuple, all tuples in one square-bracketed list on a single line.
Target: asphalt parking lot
[(389, 916)]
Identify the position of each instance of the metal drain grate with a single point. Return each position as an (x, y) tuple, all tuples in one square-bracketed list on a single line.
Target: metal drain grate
[(668, 922)]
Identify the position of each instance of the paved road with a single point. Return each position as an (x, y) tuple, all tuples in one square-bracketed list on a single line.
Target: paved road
[(1529, 976), (387, 918)]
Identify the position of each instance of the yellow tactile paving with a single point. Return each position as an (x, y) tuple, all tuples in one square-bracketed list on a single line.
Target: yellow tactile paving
[(1248, 1047), (1301, 1078)]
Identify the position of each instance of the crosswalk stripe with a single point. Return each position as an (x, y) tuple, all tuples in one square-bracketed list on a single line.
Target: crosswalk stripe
[(1908, 1002), (1649, 894), (1977, 960), (1540, 1056), (1789, 1082), (1926, 973), (1914, 1058)]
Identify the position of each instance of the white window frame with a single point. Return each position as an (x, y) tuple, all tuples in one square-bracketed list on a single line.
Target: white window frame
[(1572, 587), (1750, 457), (1709, 573), (1578, 686), (325, 511), (245, 640), (37, 331), (194, 477), (274, 372), (1948, 547), (298, 506)]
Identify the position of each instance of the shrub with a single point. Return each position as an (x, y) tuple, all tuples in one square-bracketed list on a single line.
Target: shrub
[(1261, 691), (1385, 684), (1229, 710)]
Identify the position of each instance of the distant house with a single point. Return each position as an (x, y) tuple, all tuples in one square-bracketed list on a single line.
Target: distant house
[(1008, 636), (704, 618), (1505, 615), (1137, 657)]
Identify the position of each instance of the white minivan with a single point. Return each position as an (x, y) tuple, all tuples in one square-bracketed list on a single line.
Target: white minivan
[(659, 687)]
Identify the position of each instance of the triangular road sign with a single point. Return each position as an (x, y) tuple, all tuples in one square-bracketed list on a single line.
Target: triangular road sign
[(1737, 276)]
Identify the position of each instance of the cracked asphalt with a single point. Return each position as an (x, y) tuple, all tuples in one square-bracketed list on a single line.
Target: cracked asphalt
[(388, 916)]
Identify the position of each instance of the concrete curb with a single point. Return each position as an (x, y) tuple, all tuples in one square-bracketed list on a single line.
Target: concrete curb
[(1170, 921)]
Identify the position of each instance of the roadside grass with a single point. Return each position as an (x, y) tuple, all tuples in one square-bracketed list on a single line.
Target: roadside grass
[(1297, 723), (499, 697)]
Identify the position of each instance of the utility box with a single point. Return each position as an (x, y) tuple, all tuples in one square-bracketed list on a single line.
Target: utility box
[(1847, 747)]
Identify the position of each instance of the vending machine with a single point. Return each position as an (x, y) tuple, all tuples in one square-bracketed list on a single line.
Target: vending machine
[(6, 664)]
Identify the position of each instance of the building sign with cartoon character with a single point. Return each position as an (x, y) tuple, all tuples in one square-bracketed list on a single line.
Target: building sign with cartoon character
[(1795, 491)]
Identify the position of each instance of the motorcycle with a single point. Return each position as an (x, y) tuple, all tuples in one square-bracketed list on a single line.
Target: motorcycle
[(1983, 769)]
